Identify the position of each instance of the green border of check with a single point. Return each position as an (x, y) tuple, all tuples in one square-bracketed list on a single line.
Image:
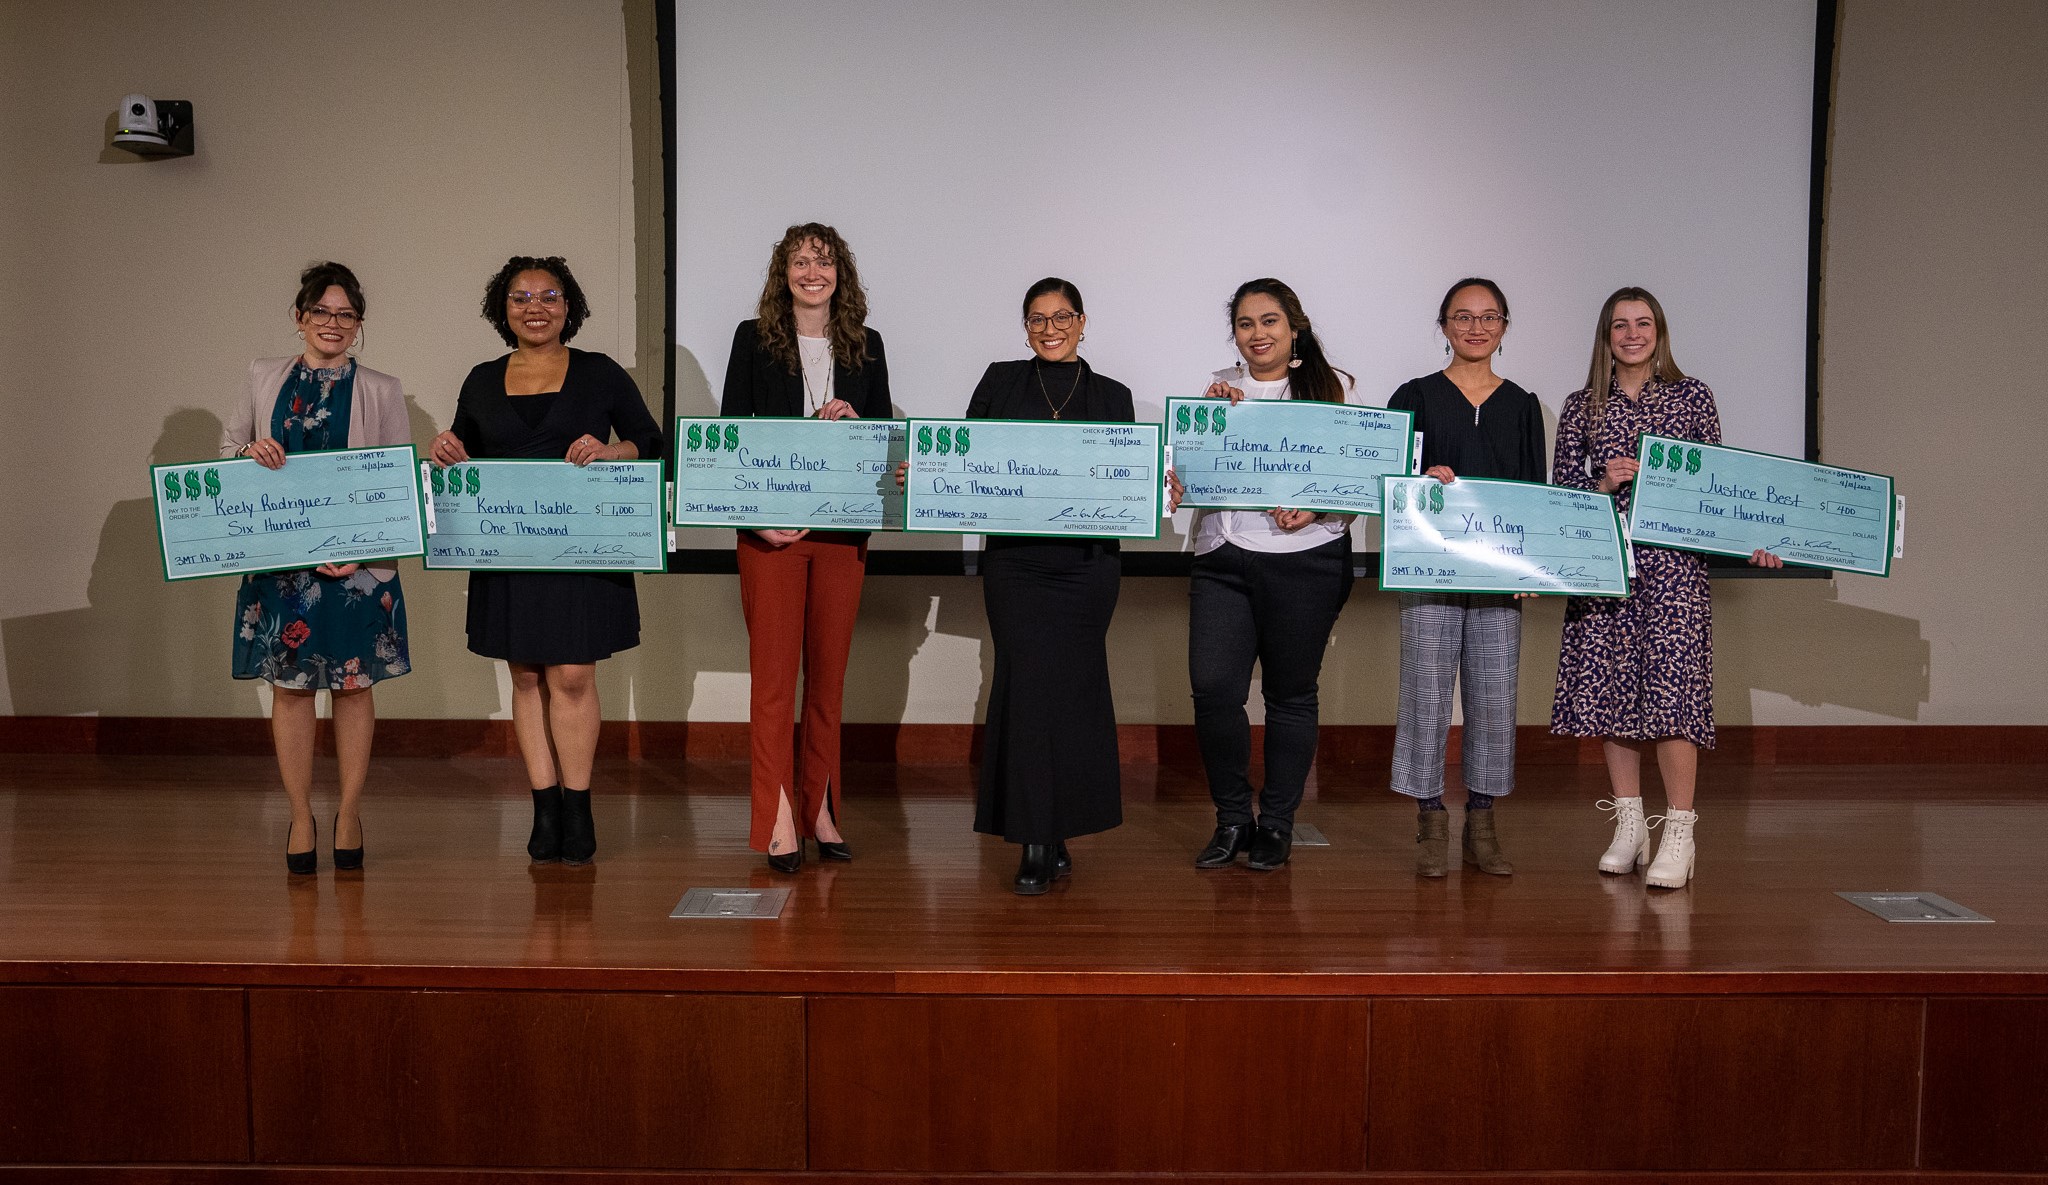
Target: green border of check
[(1891, 505), (1158, 484), (676, 485), (1621, 556), (1300, 408), (661, 525), (163, 550)]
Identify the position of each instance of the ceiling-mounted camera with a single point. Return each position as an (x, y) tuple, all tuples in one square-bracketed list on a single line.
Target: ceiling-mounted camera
[(154, 127)]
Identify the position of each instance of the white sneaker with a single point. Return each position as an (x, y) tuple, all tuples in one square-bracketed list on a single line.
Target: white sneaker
[(1673, 865), (1631, 847)]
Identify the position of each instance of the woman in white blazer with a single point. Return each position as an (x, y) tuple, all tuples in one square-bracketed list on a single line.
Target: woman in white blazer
[(337, 627)]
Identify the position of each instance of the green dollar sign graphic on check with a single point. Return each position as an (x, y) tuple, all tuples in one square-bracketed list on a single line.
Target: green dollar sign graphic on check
[(1656, 454), (1436, 499), (192, 483), (171, 487), (1216, 419), (1181, 417), (1400, 497), (945, 441), (960, 441), (439, 483), (473, 480), (1692, 460), (695, 437), (732, 438), (213, 483), (924, 438), (1201, 419)]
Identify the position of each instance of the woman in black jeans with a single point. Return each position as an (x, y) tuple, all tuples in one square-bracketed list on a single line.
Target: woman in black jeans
[(1267, 588)]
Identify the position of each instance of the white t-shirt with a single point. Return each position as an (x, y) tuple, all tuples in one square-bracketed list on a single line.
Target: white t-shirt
[(1255, 530), (816, 353)]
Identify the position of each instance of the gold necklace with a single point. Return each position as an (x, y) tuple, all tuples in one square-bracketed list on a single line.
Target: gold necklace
[(1047, 396)]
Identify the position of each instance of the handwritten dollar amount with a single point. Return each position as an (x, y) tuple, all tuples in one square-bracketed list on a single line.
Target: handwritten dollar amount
[(1432, 502), (941, 440), (1199, 419), (710, 438), (192, 484), (457, 479), (1674, 458)]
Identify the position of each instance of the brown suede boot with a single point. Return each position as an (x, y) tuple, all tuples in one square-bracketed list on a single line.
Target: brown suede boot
[(1481, 848), (1432, 842)]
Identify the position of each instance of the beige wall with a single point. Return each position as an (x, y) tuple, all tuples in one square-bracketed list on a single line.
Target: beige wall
[(447, 135)]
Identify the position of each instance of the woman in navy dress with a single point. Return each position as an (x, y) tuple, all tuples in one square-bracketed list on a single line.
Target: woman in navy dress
[(553, 628), (338, 628)]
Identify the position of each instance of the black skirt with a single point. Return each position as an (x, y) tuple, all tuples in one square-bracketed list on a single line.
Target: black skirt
[(1049, 761), (552, 618)]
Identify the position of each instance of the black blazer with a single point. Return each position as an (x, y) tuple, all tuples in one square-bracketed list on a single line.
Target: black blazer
[(1009, 391), (758, 384)]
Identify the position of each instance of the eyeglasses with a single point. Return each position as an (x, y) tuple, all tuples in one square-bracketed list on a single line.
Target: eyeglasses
[(550, 298), (1063, 319), (1486, 321), (345, 318)]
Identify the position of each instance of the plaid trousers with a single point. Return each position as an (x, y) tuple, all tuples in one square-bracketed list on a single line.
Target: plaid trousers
[(1445, 636)]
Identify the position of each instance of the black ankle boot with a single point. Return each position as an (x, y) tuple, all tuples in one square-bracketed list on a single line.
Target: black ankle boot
[(545, 844), (1035, 871), (1062, 863), (579, 831)]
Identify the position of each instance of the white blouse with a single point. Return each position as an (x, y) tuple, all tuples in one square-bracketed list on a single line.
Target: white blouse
[(1255, 530), (816, 353)]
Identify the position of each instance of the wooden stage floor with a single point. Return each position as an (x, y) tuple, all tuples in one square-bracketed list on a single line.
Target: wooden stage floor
[(150, 936)]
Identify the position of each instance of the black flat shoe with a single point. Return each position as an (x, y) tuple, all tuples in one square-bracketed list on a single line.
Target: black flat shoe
[(348, 859), (1270, 847), (1062, 864), (579, 830), (1225, 845), (789, 861), (544, 843), (1035, 871), (304, 863)]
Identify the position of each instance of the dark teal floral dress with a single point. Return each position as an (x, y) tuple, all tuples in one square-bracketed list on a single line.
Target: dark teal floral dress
[(301, 630)]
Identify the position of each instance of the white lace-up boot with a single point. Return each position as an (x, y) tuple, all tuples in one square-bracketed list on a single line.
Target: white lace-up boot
[(1631, 847), (1673, 865)]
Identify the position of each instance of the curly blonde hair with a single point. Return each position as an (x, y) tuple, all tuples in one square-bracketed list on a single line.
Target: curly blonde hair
[(845, 325)]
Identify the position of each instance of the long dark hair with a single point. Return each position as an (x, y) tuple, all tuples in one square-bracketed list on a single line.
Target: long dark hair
[(845, 324), (1600, 375), (1315, 378)]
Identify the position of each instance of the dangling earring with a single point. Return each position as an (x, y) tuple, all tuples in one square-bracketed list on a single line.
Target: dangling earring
[(1447, 348), (1501, 350), (1294, 355), (356, 344)]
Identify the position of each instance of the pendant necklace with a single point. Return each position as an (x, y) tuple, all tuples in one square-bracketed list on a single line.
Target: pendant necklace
[(1037, 374)]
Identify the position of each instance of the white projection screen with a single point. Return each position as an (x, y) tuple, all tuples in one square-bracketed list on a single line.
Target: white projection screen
[(1159, 152)]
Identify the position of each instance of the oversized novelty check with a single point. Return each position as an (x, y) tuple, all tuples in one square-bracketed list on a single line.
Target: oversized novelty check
[(1302, 454), (790, 473), (1480, 535), (538, 515), (1730, 501), (344, 506), (1034, 477)]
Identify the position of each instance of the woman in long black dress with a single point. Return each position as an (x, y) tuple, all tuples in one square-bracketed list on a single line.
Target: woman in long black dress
[(1049, 764), (547, 400)]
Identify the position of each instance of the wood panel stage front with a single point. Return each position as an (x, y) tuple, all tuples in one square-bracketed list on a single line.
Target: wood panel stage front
[(174, 1007)]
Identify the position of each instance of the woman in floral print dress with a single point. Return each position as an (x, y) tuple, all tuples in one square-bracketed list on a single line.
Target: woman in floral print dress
[(338, 627), (1640, 668)]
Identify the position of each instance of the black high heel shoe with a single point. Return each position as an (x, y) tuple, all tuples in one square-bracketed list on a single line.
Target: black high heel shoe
[(788, 861), (832, 849), (349, 859), (304, 863)]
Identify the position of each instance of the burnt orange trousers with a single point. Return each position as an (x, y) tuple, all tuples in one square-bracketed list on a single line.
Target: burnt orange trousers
[(801, 602)]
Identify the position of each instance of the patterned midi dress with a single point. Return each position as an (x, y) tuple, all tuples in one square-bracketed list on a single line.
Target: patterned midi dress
[(1639, 667), (300, 630)]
